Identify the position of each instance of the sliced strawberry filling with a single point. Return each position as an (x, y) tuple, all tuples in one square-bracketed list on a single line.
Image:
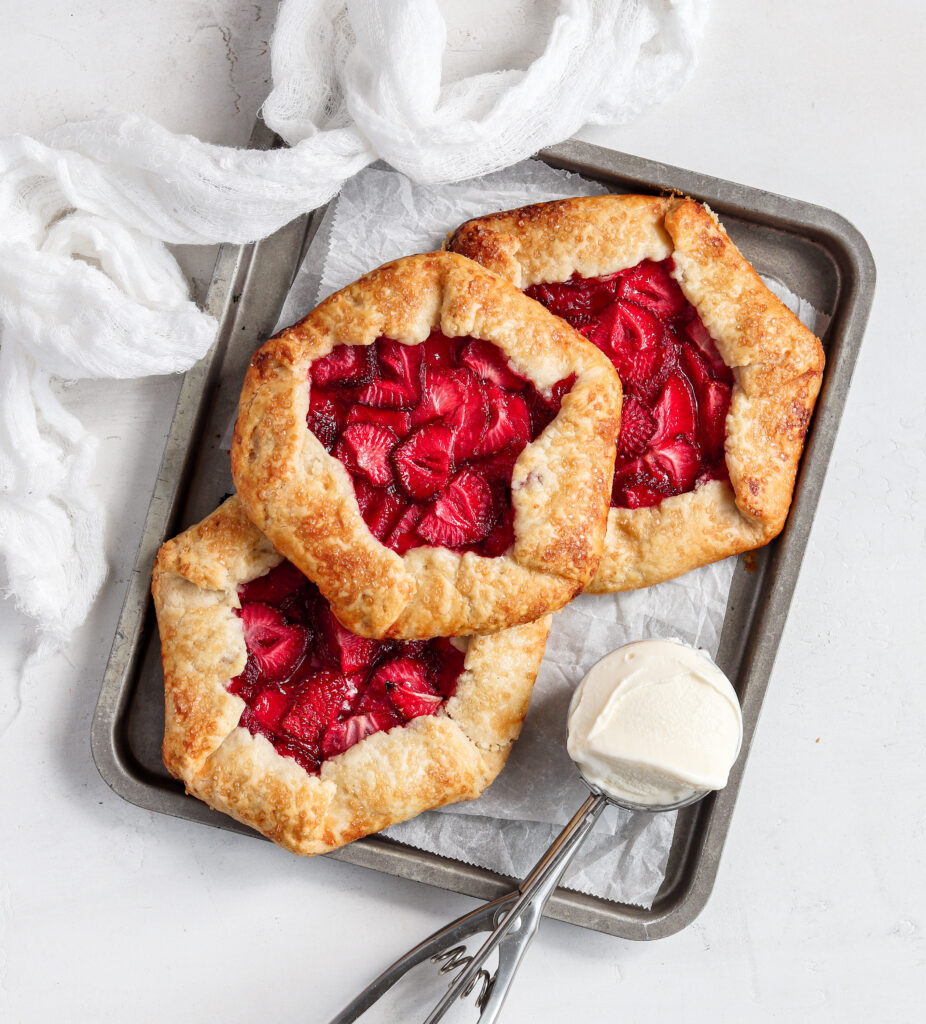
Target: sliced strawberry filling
[(313, 688), (677, 387), (430, 434)]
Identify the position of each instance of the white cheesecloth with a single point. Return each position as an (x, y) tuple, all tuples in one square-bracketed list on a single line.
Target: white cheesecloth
[(88, 288)]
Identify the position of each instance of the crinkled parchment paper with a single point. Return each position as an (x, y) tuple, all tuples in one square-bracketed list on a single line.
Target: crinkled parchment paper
[(379, 216)]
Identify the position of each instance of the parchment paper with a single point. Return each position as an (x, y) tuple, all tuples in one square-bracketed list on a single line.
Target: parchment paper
[(380, 215)]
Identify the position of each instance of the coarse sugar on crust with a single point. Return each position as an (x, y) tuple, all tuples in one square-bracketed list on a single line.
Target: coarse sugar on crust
[(776, 362), (385, 778), (303, 498)]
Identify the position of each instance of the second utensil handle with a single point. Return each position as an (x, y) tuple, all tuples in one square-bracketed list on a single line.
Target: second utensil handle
[(535, 891)]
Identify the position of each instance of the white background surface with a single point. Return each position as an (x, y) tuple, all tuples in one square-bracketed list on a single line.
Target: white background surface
[(108, 912)]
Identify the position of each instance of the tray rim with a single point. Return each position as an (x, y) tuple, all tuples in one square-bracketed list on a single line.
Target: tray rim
[(856, 271)]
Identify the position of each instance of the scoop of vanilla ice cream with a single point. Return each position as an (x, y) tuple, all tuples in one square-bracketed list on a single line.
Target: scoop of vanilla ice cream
[(655, 722)]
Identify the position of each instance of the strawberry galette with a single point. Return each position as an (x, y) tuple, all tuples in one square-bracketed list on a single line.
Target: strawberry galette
[(719, 377), (433, 449), (280, 717)]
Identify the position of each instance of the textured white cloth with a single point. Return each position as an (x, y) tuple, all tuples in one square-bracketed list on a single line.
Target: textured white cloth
[(88, 288)]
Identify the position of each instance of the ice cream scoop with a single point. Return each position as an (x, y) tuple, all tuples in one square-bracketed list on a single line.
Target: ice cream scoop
[(655, 724)]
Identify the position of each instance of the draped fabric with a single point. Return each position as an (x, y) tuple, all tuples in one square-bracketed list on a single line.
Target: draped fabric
[(89, 289)]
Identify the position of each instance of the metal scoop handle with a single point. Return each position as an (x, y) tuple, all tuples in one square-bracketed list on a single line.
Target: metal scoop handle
[(519, 924), (511, 920)]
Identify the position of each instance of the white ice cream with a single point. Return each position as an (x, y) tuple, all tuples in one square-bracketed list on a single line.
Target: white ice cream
[(655, 722)]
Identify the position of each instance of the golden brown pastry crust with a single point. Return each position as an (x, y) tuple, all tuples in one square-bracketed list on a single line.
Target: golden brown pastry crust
[(304, 500), (777, 366), (385, 778)]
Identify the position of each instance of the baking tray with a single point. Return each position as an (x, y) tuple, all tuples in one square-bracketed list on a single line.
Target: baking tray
[(813, 251)]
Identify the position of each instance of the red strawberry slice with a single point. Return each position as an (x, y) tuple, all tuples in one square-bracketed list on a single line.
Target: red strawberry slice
[(583, 324), (405, 669), (414, 648), (640, 483), (675, 411), (423, 462), (325, 417), (379, 507), (444, 391), (713, 471), (640, 495), (412, 699), (404, 682), (652, 285), (626, 330), (470, 420), (376, 695), (397, 420), (577, 298), (306, 755), (439, 350), (277, 646), (638, 344), (383, 514), (713, 405), (275, 586), (350, 651), (388, 394), (650, 369), (375, 699), (695, 366), (457, 398), (449, 661), (699, 336), (637, 427), (344, 366), (342, 736), (248, 720), (301, 607), (248, 684), (498, 467), (366, 494), (320, 700), (447, 390), (681, 460), (544, 409), (269, 708), (509, 422), (501, 536), (488, 362), (606, 333), (365, 448), (401, 363), (463, 514), (404, 534)]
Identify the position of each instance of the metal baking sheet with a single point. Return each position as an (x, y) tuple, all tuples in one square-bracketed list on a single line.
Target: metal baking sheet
[(813, 251)]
